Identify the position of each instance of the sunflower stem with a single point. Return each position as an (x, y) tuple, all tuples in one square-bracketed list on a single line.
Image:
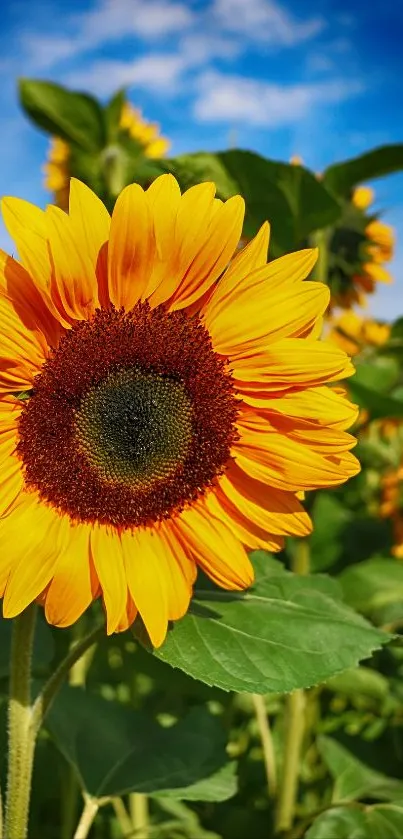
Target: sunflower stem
[(139, 814), (267, 743), (21, 735), (91, 807), (44, 700), (295, 726)]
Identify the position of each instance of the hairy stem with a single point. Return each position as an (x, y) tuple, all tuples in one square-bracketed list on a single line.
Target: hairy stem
[(21, 735)]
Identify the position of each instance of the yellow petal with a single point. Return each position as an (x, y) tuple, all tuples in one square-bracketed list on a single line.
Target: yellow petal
[(73, 586), (214, 547), (31, 537), (131, 248), (90, 223), (243, 280), (21, 353), (293, 361), (253, 320), (158, 586), (107, 555), (274, 510), (33, 308), (73, 272), (322, 406)]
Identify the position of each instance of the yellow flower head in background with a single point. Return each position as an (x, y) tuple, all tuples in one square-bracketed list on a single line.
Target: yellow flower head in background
[(353, 333), (57, 169), (392, 506), (162, 403)]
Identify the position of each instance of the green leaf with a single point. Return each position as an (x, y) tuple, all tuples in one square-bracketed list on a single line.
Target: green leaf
[(43, 650), (112, 113), (75, 117), (115, 749), (286, 632), (383, 821), (380, 373), (377, 404), (342, 177), (353, 780), (290, 197), (372, 584)]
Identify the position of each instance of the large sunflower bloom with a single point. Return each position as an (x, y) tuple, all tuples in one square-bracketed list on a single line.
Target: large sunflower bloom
[(161, 404)]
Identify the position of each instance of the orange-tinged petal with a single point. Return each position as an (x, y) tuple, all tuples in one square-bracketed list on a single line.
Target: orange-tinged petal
[(21, 353), (129, 615), (27, 227), (293, 361), (131, 248), (273, 457), (222, 238), (274, 510), (90, 222), (107, 555), (191, 216), (242, 276), (156, 581), (215, 547), (73, 586), (252, 321), (318, 406), (247, 531), (164, 198), (73, 272), (33, 308), (31, 537)]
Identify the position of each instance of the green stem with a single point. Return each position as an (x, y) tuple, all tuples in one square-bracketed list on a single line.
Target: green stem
[(267, 743), (139, 814), (90, 810), (44, 701), (122, 817), (321, 241), (295, 725), (21, 735)]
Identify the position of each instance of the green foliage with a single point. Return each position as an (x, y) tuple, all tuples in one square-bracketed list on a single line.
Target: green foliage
[(75, 117), (342, 177), (287, 632), (290, 196), (383, 821)]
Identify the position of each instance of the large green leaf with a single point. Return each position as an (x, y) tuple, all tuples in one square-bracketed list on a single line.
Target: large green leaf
[(290, 197), (342, 177), (286, 632), (373, 584), (382, 821), (353, 780), (75, 117), (115, 749)]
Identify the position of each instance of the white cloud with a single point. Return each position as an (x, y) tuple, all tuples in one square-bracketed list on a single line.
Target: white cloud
[(106, 22), (265, 20), (157, 72), (224, 98)]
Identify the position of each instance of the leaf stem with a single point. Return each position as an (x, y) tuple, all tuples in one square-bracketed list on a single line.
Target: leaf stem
[(122, 816), (267, 743), (21, 735), (90, 810), (44, 701)]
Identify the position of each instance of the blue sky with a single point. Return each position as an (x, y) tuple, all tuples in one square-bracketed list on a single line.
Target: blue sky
[(321, 79)]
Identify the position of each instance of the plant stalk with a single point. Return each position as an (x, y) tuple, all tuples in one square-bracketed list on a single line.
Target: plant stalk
[(267, 743), (21, 734), (139, 814), (90, 810)]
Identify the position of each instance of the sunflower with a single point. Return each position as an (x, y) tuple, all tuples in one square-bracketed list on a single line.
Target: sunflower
[(162, 402), (58, 165), (354, 333), (359, 248)]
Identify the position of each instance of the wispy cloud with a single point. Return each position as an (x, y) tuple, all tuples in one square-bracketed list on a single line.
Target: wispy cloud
[(230, 98), (265, 20), (154, 72)]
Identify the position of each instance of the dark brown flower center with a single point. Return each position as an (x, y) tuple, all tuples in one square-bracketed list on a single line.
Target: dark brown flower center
[(131, 418)]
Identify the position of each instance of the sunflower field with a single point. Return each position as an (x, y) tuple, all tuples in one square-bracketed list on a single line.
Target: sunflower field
[(202, 492)]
